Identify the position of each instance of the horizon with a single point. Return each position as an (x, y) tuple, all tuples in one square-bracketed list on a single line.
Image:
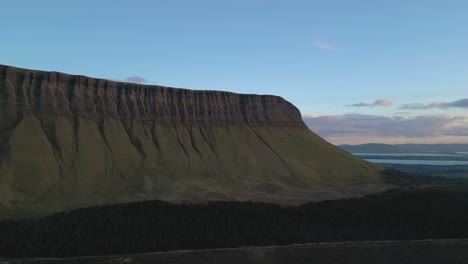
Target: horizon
[(359, 71)]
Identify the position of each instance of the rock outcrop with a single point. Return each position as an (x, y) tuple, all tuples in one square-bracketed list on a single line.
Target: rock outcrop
[(68, 141), (54, 93)]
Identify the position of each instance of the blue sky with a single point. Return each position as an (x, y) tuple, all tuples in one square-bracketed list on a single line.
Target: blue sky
[(323, 56)]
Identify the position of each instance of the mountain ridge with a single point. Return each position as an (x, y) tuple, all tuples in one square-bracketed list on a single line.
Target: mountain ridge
[(401, 148), (71, 141), (64, 94)]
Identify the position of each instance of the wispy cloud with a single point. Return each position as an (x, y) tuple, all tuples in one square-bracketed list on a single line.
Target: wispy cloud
[(379, 102), (324, 46), (462, 103), (135, 79), (420, 106), (357, 128)]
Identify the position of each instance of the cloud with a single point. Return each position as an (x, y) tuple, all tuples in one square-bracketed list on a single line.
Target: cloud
[(135, 79), (402, 113), (419, 106), (382, 102), (358, 128), (379, 102), (462, 103), (324, 46), (312, 115)]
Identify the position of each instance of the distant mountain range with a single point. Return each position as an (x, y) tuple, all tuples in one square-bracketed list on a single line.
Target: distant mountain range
[(404, 148)]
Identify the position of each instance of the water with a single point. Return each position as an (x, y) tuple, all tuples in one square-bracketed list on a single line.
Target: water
[(412, 154), (412, 158), (419, 162)]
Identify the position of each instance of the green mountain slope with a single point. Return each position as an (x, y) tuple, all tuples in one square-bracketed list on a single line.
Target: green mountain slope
[(73, 141)]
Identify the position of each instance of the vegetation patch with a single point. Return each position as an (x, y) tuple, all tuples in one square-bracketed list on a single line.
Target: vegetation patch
[(426, 213)]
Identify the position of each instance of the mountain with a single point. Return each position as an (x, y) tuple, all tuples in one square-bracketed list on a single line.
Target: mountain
[(405, 148), (70, 141)]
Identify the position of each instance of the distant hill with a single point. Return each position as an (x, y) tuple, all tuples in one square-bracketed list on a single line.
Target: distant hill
[(404, 148), (69, 141)]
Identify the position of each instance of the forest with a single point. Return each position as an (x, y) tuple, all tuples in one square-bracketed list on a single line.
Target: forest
[(403, 214)]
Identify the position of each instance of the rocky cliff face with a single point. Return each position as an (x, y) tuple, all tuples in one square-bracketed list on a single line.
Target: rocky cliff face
[(70, 141), (54, 93)]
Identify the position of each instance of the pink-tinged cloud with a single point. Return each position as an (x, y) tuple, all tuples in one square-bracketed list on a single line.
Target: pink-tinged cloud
[(378, 102), (135, 79), (357, 128), (313, 115), (324, 46), (419, 106), (383, 102)]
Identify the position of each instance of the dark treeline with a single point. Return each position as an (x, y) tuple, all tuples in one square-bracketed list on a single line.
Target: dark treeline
[(451, 171), (403, 178), (159, 226)]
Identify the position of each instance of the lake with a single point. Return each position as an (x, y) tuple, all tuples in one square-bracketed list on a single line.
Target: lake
[(416, 158), (459, 154), (418, 162)]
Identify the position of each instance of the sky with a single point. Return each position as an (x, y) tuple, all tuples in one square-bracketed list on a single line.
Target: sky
[(359, 71)]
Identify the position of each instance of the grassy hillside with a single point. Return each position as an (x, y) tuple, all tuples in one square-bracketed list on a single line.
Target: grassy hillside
[(69, 163)]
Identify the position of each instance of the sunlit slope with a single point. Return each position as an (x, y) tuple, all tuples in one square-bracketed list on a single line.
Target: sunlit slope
[(56, 154)]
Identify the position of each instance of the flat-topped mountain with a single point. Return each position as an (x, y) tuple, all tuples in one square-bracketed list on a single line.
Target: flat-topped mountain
[(70, 141), (59, 94)]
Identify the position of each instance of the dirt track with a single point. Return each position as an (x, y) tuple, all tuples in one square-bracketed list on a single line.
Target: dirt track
[(411, 252)]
